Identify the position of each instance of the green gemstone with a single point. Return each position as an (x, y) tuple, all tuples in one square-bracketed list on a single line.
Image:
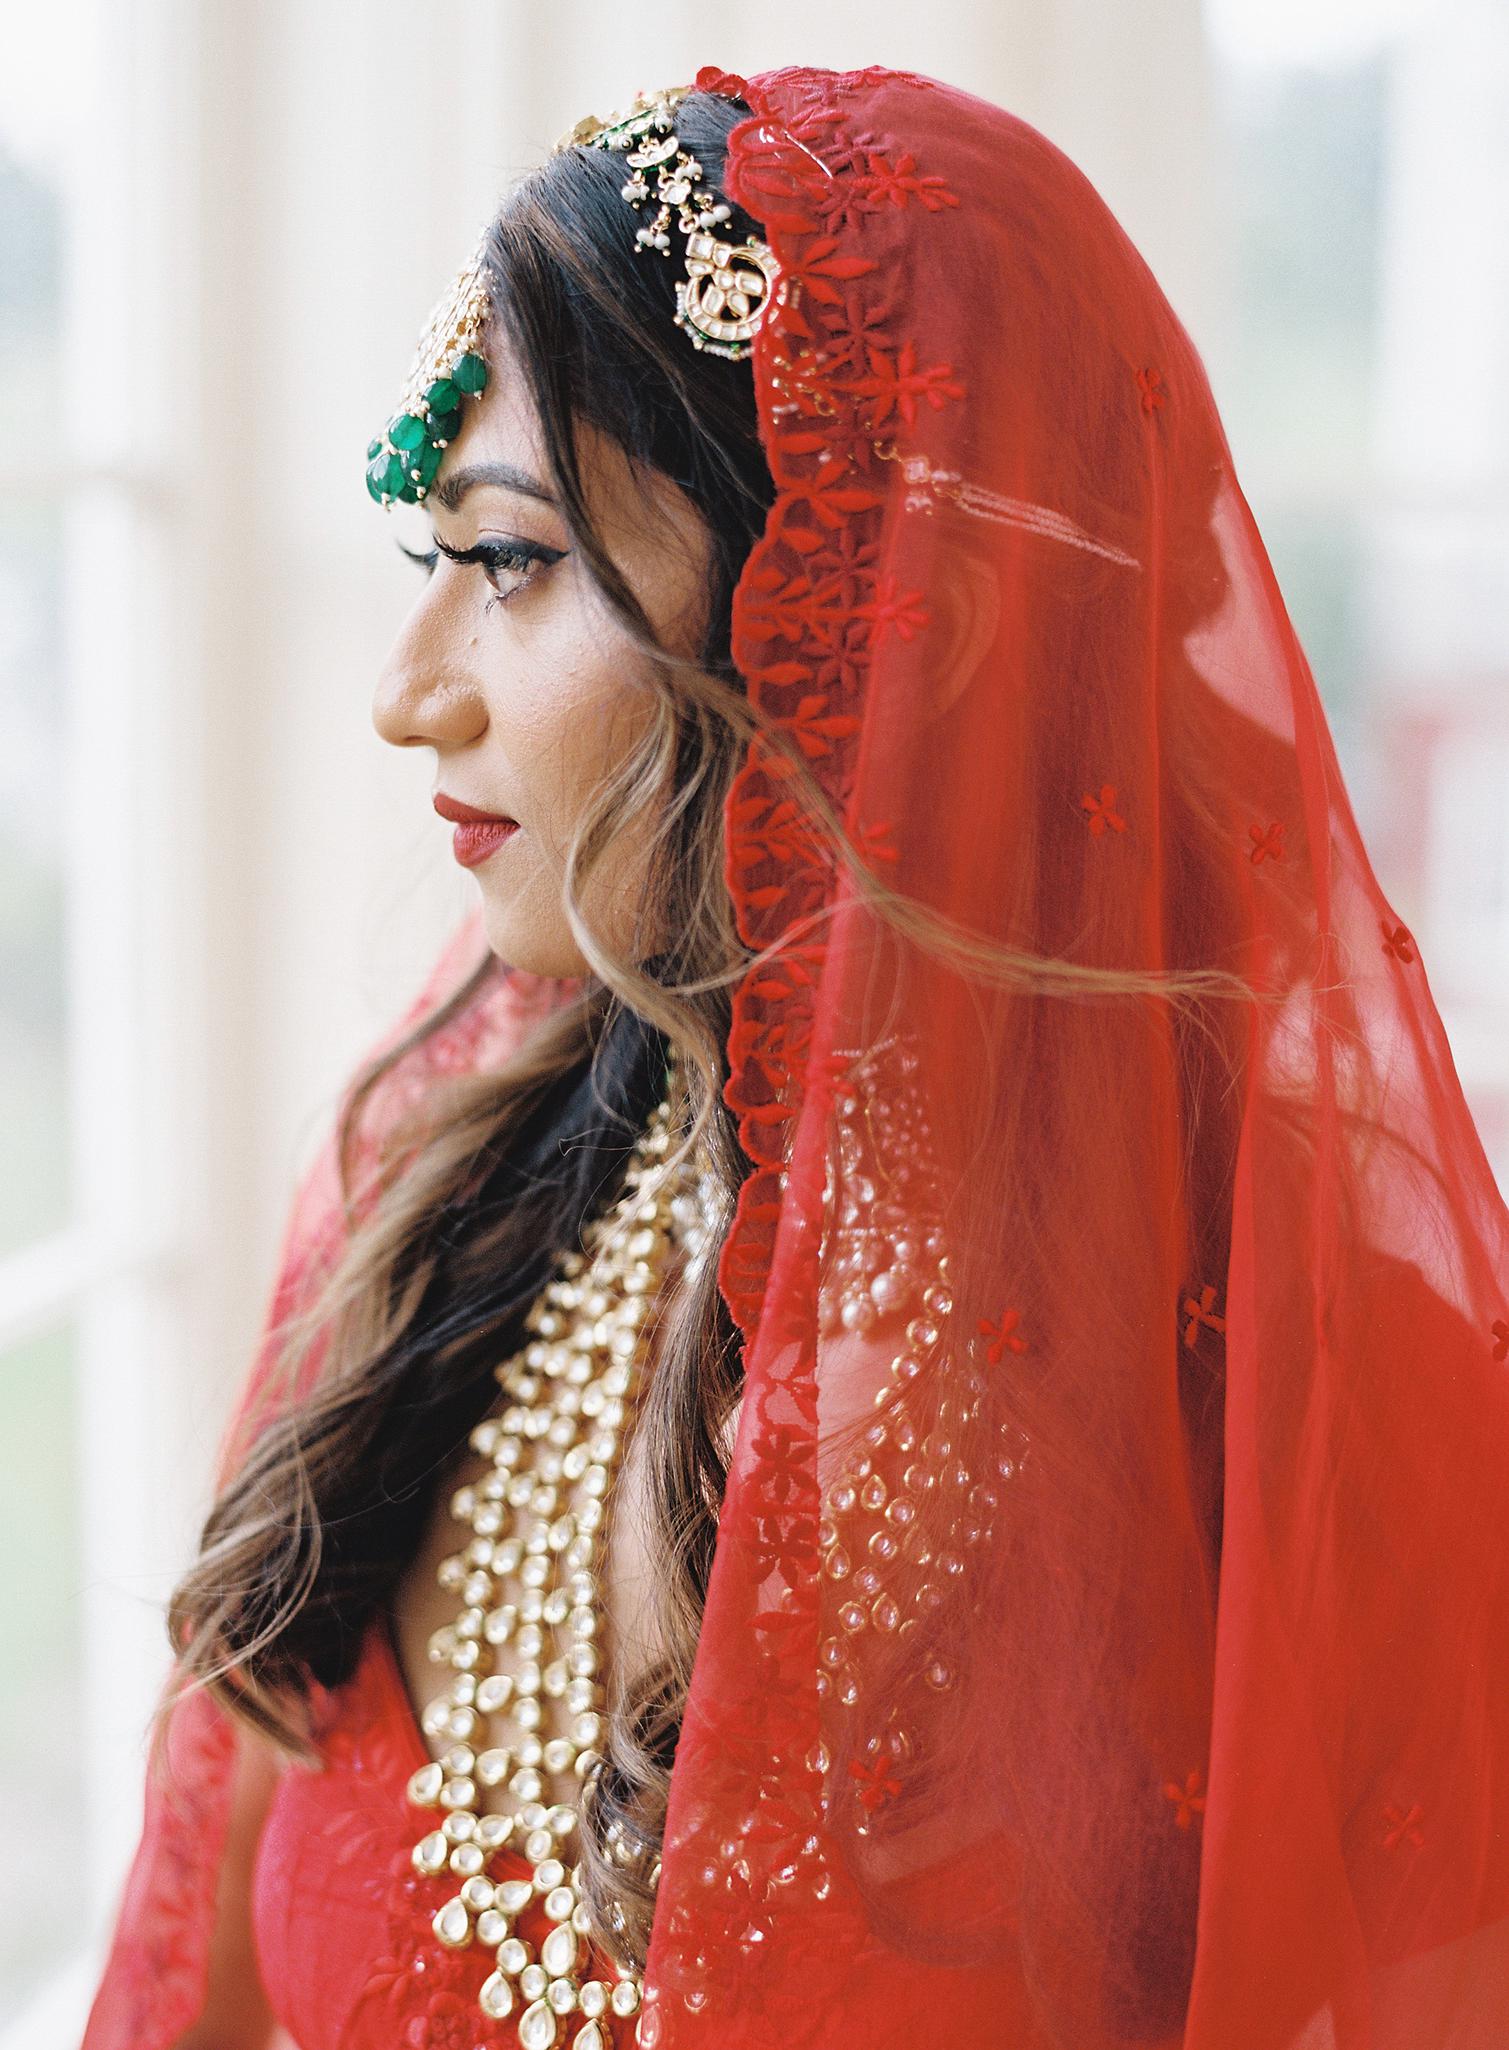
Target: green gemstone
[(385, 477), (470, 373), (410, 494), (442, 396), (406, 431), (422, 463), (445, 426), (374, 447)]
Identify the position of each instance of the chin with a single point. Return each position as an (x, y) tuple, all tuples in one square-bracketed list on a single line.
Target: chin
[(524, 944)]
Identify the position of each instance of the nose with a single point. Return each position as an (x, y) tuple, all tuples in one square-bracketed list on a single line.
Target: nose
[(427, 694)]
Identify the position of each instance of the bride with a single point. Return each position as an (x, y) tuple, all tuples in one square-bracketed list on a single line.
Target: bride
[(884, 1417)]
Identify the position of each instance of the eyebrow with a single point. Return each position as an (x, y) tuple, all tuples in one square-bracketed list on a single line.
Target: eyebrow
[(454, 488)]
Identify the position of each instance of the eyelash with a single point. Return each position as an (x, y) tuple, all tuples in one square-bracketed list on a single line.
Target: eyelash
[(524, 559)]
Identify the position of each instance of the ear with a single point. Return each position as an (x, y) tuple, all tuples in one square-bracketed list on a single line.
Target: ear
[(966, 614)]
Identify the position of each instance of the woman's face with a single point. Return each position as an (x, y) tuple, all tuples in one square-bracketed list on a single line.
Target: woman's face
[(514, 671)]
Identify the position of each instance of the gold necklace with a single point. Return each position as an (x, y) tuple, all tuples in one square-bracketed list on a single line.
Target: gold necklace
[(529, 1583)]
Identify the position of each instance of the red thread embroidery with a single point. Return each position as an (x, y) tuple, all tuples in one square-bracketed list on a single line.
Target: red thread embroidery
[(1100, 810), (882, 74), (894, 385), (820, 269), (1200, 1313), (1001, 1333), (1499, 1329), (1403, 1826), (905, 611), (1189, 1799), (1267, 841), (775, 1536), (161, 1970), (790, 1463), (815, 728), (1154, 391), (894, 184), (877, 1782), (1397, 941), (867, 322)]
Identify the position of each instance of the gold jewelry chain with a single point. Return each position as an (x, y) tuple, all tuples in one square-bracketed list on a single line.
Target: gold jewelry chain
[(528, 1579)]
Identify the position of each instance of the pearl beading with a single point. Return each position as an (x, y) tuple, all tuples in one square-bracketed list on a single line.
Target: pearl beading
[(529, 1574)]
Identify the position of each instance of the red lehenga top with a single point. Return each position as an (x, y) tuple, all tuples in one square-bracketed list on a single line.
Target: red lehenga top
[(341, 1917)]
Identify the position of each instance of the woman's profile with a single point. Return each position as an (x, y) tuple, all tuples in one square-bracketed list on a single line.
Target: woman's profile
[(883, 1420)]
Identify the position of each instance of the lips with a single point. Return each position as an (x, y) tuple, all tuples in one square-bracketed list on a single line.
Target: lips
[(478, 833), (471, 844), (461, 814)]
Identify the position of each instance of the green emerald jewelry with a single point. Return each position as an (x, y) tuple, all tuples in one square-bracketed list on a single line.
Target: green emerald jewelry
[(448, 367)]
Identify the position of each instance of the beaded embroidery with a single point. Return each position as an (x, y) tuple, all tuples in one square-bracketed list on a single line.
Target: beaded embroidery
[(885, 1264)]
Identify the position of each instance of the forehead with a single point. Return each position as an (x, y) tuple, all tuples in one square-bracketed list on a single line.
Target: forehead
[(501, 424), (501, 429), (641, 517)]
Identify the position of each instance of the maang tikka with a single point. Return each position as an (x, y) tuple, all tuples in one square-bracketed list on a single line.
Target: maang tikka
[(448, 367), (721, 302)]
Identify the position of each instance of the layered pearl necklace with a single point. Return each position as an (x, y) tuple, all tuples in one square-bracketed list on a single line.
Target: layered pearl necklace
[(528, 1579)]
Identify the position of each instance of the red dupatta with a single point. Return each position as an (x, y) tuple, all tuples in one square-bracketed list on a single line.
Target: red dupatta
[(1199, 1460), (1110, 1646)]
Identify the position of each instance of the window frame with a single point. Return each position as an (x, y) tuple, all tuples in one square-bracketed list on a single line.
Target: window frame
[(127, 1271)]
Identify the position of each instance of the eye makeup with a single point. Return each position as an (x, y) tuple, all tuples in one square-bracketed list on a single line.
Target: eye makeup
[(513, 557)]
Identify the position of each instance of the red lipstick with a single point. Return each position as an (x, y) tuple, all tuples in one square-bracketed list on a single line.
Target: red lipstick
[(478, 833)]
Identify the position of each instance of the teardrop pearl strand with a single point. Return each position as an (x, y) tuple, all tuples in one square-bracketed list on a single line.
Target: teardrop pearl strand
[(528, 1580)]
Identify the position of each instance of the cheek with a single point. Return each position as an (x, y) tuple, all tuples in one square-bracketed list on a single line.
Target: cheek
[(562, 722)]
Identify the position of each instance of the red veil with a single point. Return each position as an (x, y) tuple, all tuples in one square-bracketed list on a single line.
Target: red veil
[(1108, 1637)]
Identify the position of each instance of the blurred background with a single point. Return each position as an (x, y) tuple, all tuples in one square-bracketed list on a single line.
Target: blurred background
[(221, 228)]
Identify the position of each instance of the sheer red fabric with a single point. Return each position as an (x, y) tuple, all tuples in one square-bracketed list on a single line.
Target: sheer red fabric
[(1108, 1636)]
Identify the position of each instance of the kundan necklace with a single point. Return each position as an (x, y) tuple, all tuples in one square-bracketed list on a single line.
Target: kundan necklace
[(528, 1581)]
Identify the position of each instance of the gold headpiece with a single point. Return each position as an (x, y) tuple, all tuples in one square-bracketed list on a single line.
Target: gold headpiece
[(729, 287), (722, 301)]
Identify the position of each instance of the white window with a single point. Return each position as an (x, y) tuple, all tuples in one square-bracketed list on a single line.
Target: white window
[(98, 999)]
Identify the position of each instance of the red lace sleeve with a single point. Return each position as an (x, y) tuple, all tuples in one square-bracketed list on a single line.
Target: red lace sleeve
[(154, 1981)]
